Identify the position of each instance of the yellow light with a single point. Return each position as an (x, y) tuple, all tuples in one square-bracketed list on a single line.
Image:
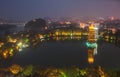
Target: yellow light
[(102, 76), (17, 47), (5, 54), (91, 60), (40, 36), (19, 44), (14, 41), (82, 25), (56, 33), (68, 22), (107, 37), (15, 69), (91, 27)]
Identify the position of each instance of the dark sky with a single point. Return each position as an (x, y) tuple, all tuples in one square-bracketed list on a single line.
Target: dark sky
[(29, 9)]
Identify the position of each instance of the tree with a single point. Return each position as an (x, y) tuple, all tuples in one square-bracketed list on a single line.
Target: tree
[(28, 70), (15, 69)]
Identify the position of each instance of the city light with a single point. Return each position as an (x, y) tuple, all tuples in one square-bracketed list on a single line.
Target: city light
[(91, 45), (15, 69), (91, 60)]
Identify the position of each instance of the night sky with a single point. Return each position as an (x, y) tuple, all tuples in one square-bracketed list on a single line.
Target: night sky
[(29, 9)]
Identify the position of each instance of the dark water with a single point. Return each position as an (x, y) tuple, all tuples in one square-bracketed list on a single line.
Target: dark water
[(69, 53)]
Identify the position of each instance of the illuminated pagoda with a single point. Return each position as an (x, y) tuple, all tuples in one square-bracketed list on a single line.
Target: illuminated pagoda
[(91, 33), (91, 43)]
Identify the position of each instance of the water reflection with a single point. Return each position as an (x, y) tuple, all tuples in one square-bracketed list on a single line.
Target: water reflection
[(90, 56), (92, 51), (91, 44), (66, 38)]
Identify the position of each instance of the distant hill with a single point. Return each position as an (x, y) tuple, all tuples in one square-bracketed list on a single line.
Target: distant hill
[(35, 25), (4, 21), (6, 26)]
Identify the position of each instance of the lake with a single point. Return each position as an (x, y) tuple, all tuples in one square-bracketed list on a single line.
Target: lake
[(69, 53)]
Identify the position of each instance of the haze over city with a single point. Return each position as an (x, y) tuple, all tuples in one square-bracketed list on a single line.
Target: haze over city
[(30, 9)]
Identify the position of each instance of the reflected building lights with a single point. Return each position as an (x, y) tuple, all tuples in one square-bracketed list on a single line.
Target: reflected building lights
[(66, 38), (95, 50), (91, 56)]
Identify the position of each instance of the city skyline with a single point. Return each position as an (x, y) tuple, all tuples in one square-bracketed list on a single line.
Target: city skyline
[(29, 9)]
